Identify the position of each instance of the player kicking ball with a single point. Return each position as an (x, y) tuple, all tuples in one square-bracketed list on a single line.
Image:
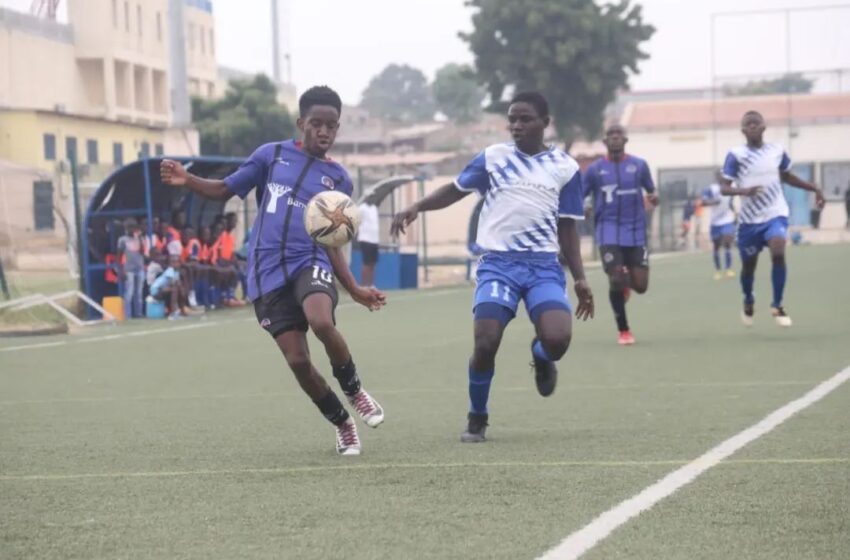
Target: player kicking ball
[(755, 172), (532, 198), (289, 275), (617, 182)]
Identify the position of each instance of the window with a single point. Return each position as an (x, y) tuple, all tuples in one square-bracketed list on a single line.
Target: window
[(212, 42), (42, 198), (117, 153), (115, 14), (191, 36), (126, 15), (71, 148), (139, 18), (50, 147), (91, 151), (158, 149), (203, 38), (146, 150), (159, 26)]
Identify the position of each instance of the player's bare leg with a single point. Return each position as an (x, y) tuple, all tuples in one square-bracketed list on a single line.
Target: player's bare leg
[(639, 279), (748, 274), (554, 329), (778, 276), (318, 308), (488, 337), (293, 345)]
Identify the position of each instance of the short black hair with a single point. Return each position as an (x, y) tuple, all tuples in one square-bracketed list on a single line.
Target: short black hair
[(535, 99), (319, 95), (752, 112)]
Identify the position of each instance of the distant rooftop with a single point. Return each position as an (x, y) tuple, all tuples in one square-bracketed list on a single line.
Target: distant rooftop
[(727, 112)]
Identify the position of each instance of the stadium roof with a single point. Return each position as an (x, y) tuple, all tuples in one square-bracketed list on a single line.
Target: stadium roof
[(727, 112)]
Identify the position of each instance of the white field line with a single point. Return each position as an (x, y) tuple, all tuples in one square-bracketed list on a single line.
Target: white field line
[(199, 325), (399, 391), (411, 466), (581, 541)]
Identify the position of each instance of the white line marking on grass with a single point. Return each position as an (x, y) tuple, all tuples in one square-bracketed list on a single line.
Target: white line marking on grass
[(579, 542), (30, 346), (410, 466)]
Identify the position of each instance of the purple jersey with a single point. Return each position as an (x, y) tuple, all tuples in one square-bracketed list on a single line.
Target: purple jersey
[(286, 178), (617, 188)]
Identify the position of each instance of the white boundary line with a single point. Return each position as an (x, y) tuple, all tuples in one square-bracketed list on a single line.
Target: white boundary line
[(411, 466), (199, 325), (579, 542)]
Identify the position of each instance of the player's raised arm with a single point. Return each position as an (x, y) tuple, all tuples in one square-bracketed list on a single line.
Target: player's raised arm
[(173, 173), (441, 198), (371, 298)]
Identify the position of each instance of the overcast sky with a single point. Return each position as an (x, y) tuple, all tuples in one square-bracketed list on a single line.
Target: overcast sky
[(344, 43)]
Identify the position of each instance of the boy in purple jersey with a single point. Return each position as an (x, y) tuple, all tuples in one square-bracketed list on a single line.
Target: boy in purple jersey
[(290, 277), (617, 182)]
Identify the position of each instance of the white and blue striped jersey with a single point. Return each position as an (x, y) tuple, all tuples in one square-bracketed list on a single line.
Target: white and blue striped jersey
[(722, 212), (759, 167), (524, 196)]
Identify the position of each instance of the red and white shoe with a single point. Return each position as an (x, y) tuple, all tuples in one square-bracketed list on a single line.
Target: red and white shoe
[(347, 440), (367, 407), (626, 338)]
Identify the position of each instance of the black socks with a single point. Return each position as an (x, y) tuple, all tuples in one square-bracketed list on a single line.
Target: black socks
[(618, 303), (347, 377)]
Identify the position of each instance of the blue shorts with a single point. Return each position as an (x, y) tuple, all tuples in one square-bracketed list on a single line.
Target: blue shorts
[(722, 230), (752, 238), (536, 278)]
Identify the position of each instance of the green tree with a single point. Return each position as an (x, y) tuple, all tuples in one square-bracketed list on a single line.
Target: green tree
[(457, 93), (576, 52), (247, 116), (793, 82), (399, 93)]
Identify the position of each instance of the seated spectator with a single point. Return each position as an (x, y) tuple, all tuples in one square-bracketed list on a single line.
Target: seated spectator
[(189, 259), (168, 289), (224, 260)]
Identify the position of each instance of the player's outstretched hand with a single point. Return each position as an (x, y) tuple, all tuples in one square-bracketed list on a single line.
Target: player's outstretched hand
[(585, 300), (403, 219), (820, 201), (371, 298), (173, 173)]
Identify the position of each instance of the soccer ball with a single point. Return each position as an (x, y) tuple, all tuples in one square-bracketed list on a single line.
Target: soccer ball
[(331, 218)]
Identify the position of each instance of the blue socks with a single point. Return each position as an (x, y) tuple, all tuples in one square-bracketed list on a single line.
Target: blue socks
[(777, 277), (479, 390), (539, 352), (717, 261), (728, 259), (747, 286)]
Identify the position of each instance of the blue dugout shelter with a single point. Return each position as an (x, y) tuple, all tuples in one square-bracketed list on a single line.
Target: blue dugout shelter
[(136, 191)]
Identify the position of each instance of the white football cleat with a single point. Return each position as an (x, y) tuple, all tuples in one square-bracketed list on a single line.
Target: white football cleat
[(747, 315), (347, 440), (367, 407), (782, 319)]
